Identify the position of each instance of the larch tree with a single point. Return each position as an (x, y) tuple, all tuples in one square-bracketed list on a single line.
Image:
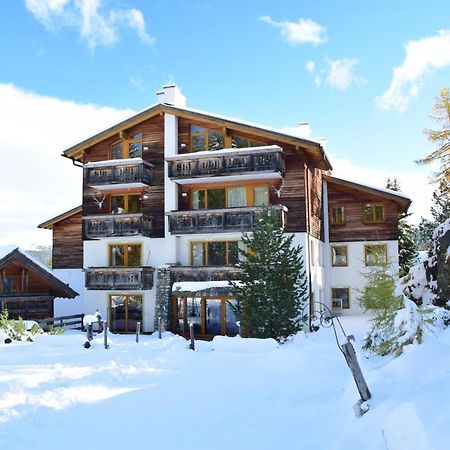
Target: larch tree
[(273, 286)]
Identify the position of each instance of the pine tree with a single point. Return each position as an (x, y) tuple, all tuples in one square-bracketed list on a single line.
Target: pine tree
[(441, 114), (273, 285), (407, 248)]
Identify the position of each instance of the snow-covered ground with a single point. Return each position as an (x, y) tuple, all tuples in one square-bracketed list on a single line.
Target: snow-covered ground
[(229, 394)]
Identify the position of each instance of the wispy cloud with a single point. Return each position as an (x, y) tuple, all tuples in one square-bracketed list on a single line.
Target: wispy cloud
[(423, 56), (96, 25), (305, 31), (337, 73)]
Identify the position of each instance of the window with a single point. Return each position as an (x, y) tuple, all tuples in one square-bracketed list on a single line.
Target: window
[(339, 256), (10, 285), (340, 298), (121, 204), (375, 255), (231, 197), (337, 216), (130, 147), (214, 253), (125, 312), (373, 213), (128, 255), (203, 139), (242, 142)]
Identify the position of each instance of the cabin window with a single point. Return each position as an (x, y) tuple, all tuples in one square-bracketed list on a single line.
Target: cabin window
[(373, 213), (242, 142), (203, 139), (231, 197), (125, 312), (337, 216), (340, 298), (339, 256), (128, 255), (130, 147), (375, 255), (10, 285), (214, 253), (122, 204)]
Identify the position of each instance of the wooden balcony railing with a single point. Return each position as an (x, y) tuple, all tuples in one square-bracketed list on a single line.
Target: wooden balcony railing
[(204, 273), (218, 220), (105, 278), (117, 225), (227, 162), (118, 172)]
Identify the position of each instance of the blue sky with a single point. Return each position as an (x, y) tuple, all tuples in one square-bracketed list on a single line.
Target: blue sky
[(363, 74)]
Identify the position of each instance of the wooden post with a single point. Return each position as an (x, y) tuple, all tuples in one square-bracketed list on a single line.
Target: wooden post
[(82, 322), (89, 333), (138, 330), (100, 324), (352, 362), (191, 333), (105, 334), (159, 327)]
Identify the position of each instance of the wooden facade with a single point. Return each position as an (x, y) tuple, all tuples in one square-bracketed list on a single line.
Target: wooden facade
[(27, 289)]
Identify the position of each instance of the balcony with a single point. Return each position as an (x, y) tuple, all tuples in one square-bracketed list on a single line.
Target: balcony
[(118, 278), (111, 225), (234, 164), (218, 220), (112, 174), (204, 273)]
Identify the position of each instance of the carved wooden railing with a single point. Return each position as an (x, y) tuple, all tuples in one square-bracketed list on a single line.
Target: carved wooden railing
[(120, 173), (226, 162), (104, 278), (204, 273), (218, 220), (117, 225)]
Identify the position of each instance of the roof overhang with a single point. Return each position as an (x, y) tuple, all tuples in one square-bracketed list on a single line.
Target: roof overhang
[(48, 225)]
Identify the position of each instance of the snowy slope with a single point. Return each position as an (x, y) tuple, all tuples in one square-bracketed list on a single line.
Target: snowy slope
[(230, 394)]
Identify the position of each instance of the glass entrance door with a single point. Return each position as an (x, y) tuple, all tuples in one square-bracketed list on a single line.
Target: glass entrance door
[(126, 311)]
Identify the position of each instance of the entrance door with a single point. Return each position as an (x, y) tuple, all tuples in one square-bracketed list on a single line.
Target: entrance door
[(126, 311)]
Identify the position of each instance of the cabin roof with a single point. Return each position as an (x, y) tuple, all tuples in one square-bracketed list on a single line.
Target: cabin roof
[(403, 200), (12, 253), (48, 225), (311, 146)]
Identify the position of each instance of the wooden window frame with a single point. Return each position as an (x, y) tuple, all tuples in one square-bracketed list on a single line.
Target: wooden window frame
[(126, 310), (126, 141), (373, 206), (206, 251), (125, 253), (250, 194), (346, 256), (332, 221), (341, 288), (125, 203), (384, 246), (204, 133), (250, 140)]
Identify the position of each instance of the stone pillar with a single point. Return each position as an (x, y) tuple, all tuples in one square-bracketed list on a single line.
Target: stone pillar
[(163, 303)]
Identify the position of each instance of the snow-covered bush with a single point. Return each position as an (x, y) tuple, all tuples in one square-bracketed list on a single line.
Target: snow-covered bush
[(17, 330)]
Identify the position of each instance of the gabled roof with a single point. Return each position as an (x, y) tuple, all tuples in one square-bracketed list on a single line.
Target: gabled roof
[(48, 225), (12, 253), (403, 200), (314, 148)]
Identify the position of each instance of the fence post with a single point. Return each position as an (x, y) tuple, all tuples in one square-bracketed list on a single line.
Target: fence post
[(105, 334), (191, 333), (82, 322), (138, 330), (89, 333), (159, 327)]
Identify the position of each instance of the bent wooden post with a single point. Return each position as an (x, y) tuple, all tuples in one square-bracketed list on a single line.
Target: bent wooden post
[(352, 362)]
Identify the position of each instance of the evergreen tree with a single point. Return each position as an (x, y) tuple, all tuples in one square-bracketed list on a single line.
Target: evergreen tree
[(273, 285), (407, 248), (441, 114)]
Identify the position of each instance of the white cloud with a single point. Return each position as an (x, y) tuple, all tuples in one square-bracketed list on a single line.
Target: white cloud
[(423, 57), (310, 66), (96, 25), (35, 181), (340, 73), (415, 185), (305, 31)]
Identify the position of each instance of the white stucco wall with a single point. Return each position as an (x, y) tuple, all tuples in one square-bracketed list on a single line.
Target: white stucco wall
[(352, 276), (66, 306)]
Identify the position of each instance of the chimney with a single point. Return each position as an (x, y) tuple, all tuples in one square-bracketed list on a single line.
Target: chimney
[(304, 130), (171, 95)]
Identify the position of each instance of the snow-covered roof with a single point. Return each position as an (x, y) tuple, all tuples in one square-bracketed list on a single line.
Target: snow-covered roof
[(7, 249), (197, 286)]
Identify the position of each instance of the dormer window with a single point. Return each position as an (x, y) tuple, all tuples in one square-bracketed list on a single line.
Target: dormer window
[(242, 142), (373, 213), (130, 147), (203, 139)]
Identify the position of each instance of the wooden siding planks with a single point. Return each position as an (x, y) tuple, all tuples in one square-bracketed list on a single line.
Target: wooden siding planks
[(68, 243)]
